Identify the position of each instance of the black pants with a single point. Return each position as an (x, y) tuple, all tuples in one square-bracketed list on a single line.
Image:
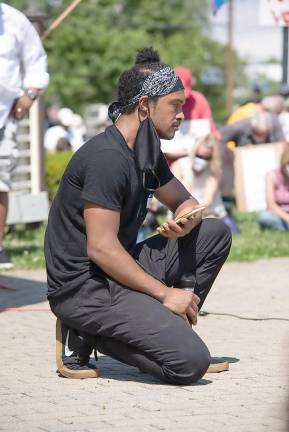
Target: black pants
[(138, 330)]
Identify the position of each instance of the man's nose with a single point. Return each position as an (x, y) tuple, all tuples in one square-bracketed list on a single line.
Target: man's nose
[(180, 116)]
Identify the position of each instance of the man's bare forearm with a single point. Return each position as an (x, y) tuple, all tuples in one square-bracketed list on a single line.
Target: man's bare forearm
[(186, 206), (114, 260)]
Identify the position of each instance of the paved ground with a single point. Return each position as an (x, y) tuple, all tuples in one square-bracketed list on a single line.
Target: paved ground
[(251, 397)]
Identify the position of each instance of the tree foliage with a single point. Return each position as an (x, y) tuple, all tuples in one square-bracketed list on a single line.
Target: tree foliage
[(100, 38)]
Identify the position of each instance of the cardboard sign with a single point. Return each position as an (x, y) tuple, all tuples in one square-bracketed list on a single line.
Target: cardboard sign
[(252, 163)]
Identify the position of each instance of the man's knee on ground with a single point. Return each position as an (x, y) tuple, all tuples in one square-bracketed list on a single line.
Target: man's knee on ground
[(189, 367)]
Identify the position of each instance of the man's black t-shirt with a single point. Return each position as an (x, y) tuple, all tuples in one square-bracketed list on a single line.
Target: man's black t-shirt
[(104, 172)]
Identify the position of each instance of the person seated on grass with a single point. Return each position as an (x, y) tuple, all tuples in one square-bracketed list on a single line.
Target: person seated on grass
[(200, 173), (276, 216)]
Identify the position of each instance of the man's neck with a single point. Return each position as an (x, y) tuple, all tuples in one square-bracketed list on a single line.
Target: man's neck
[(128, 125)]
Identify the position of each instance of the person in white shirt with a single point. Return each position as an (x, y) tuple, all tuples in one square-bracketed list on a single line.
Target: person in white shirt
[(23, 76)]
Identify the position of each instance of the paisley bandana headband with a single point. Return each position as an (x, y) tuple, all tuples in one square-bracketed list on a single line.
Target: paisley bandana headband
[(159, 83)]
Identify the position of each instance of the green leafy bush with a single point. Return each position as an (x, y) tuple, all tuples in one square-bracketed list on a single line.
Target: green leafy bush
[(55, 165)]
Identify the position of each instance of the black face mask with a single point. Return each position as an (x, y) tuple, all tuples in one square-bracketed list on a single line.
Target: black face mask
[(147, 151)]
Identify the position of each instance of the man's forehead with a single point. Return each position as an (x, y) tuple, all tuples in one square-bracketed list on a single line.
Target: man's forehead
[(178, 96)]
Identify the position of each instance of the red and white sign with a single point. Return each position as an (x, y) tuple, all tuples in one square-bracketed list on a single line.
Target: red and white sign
[(274, 12)]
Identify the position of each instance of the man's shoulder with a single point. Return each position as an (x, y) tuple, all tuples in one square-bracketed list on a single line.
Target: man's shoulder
[(97, 157), (244, 124), (100, 145), (241, 125), (16, 21), (13, 13)]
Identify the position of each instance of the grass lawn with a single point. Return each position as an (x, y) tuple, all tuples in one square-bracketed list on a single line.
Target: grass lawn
[(25, 245), (253, 244)]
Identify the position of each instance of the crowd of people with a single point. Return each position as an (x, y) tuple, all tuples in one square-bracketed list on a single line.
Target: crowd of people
[(201, 155)]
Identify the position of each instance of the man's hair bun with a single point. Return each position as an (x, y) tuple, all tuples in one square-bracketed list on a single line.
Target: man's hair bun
[(147, 56)]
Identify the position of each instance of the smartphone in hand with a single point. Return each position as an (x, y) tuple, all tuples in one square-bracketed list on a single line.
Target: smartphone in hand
[(188, 215)]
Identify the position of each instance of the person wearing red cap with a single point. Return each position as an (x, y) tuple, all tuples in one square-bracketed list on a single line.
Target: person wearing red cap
[(196, 105)]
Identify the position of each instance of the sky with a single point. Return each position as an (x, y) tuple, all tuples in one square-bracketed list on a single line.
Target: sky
[(254, 42)]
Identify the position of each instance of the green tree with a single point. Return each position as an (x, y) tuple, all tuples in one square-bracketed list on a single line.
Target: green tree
[(99, 40)]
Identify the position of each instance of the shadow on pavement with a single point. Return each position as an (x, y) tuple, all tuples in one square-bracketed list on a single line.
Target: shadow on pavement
[(112, 369), (231, 359), (17, 292)]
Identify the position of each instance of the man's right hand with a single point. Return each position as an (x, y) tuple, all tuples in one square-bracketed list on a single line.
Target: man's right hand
[(21, 107), (183, 303)]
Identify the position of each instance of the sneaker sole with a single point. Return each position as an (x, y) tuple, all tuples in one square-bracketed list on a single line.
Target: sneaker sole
[(6, 266), (62, 369), (218, 367)]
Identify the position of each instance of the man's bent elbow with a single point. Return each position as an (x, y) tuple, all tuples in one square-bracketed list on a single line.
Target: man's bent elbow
[(100, 254)]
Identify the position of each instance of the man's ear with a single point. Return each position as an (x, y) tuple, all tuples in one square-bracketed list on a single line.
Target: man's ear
[(143, 106)]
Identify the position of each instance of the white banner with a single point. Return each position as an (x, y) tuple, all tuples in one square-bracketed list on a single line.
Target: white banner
[(274, 12)]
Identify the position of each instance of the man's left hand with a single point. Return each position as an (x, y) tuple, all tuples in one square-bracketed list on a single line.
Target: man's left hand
[(171, 229), (21, 107)]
